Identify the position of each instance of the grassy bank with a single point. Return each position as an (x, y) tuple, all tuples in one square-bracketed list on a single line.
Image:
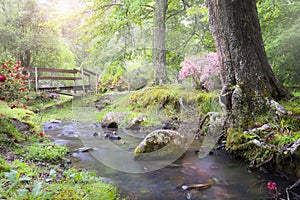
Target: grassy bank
[(32, 167)]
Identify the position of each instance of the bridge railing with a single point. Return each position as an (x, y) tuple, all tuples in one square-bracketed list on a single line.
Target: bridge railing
[(38, 74)]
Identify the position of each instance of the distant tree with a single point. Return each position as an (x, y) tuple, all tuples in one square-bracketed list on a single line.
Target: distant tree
[(159, 42), (26, 35), (128, 30), (281, 33)]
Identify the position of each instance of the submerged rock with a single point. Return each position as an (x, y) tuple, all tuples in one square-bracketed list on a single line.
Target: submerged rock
[(161, 144), (112, 135)]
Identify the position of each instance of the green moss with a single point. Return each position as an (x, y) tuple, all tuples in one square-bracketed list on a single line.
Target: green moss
[(163, 103), (158, 96), (237, 137), (292, 105), (3, 166), (8, 132), (23, 115)]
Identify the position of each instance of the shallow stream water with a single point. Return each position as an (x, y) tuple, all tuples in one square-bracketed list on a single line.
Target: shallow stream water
[(112, 159)]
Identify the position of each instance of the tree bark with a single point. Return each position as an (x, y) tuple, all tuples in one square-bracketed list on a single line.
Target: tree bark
[(247, 78), (159, 43)]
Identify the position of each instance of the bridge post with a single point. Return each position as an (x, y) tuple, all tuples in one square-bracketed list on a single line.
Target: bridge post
[(82, 77), (36, 79), (97, 82), (29, 80), (74, 88)]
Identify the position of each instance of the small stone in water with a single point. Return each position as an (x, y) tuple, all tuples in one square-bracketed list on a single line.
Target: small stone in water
[(184, 187), (188, 195), (95, 134)]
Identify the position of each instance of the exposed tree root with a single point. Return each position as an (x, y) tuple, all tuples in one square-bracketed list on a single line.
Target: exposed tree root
[(203, 121), (264, 162), (287, 190)]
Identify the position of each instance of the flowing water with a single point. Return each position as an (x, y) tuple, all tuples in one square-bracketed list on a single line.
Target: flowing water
[(112, 159)]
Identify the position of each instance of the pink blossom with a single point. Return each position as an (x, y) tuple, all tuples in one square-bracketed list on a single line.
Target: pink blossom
[(204, 70)]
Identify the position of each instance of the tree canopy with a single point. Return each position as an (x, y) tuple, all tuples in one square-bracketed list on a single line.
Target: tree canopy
[(116, 37)]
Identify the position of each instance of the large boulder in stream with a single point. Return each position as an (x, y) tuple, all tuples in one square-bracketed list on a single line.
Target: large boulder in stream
[(161, 144)]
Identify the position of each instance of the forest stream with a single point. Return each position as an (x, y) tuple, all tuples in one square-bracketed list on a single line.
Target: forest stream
[(228, 177)]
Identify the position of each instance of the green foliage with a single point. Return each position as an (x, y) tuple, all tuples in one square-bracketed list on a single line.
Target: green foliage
[(280, 27), (282, 140), (31, 181), (83, 185), (121, 32), (208, 102), (8, 132), (292, 105), (26, 35), (46, 151), (4, 167), (112, 77), (32, 174)]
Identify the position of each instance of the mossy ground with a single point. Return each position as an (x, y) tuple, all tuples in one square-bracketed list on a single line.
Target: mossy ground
[(32, 167), (163, 103)]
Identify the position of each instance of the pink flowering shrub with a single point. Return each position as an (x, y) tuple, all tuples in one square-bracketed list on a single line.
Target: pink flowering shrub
[(204, 70), (14, 85)]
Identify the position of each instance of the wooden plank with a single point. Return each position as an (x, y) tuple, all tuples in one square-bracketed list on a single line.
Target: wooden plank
[(58, 78), (71, 71), (52, 88), (26, 69), (90, 72)]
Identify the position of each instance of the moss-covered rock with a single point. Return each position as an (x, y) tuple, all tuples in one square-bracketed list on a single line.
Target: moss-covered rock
[(112, 119), (161, 144)]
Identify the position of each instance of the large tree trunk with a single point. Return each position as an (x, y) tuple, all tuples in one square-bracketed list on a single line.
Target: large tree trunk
[(247, 77), (159, 44)]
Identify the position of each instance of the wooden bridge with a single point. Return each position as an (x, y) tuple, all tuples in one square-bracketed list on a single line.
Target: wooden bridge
[(66, 75)]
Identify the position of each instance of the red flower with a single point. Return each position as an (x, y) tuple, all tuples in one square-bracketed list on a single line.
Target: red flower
[(42, 134), (22, 89), (2, 79), (271, 185), (3, 98), (24, 106), (18, 63)]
